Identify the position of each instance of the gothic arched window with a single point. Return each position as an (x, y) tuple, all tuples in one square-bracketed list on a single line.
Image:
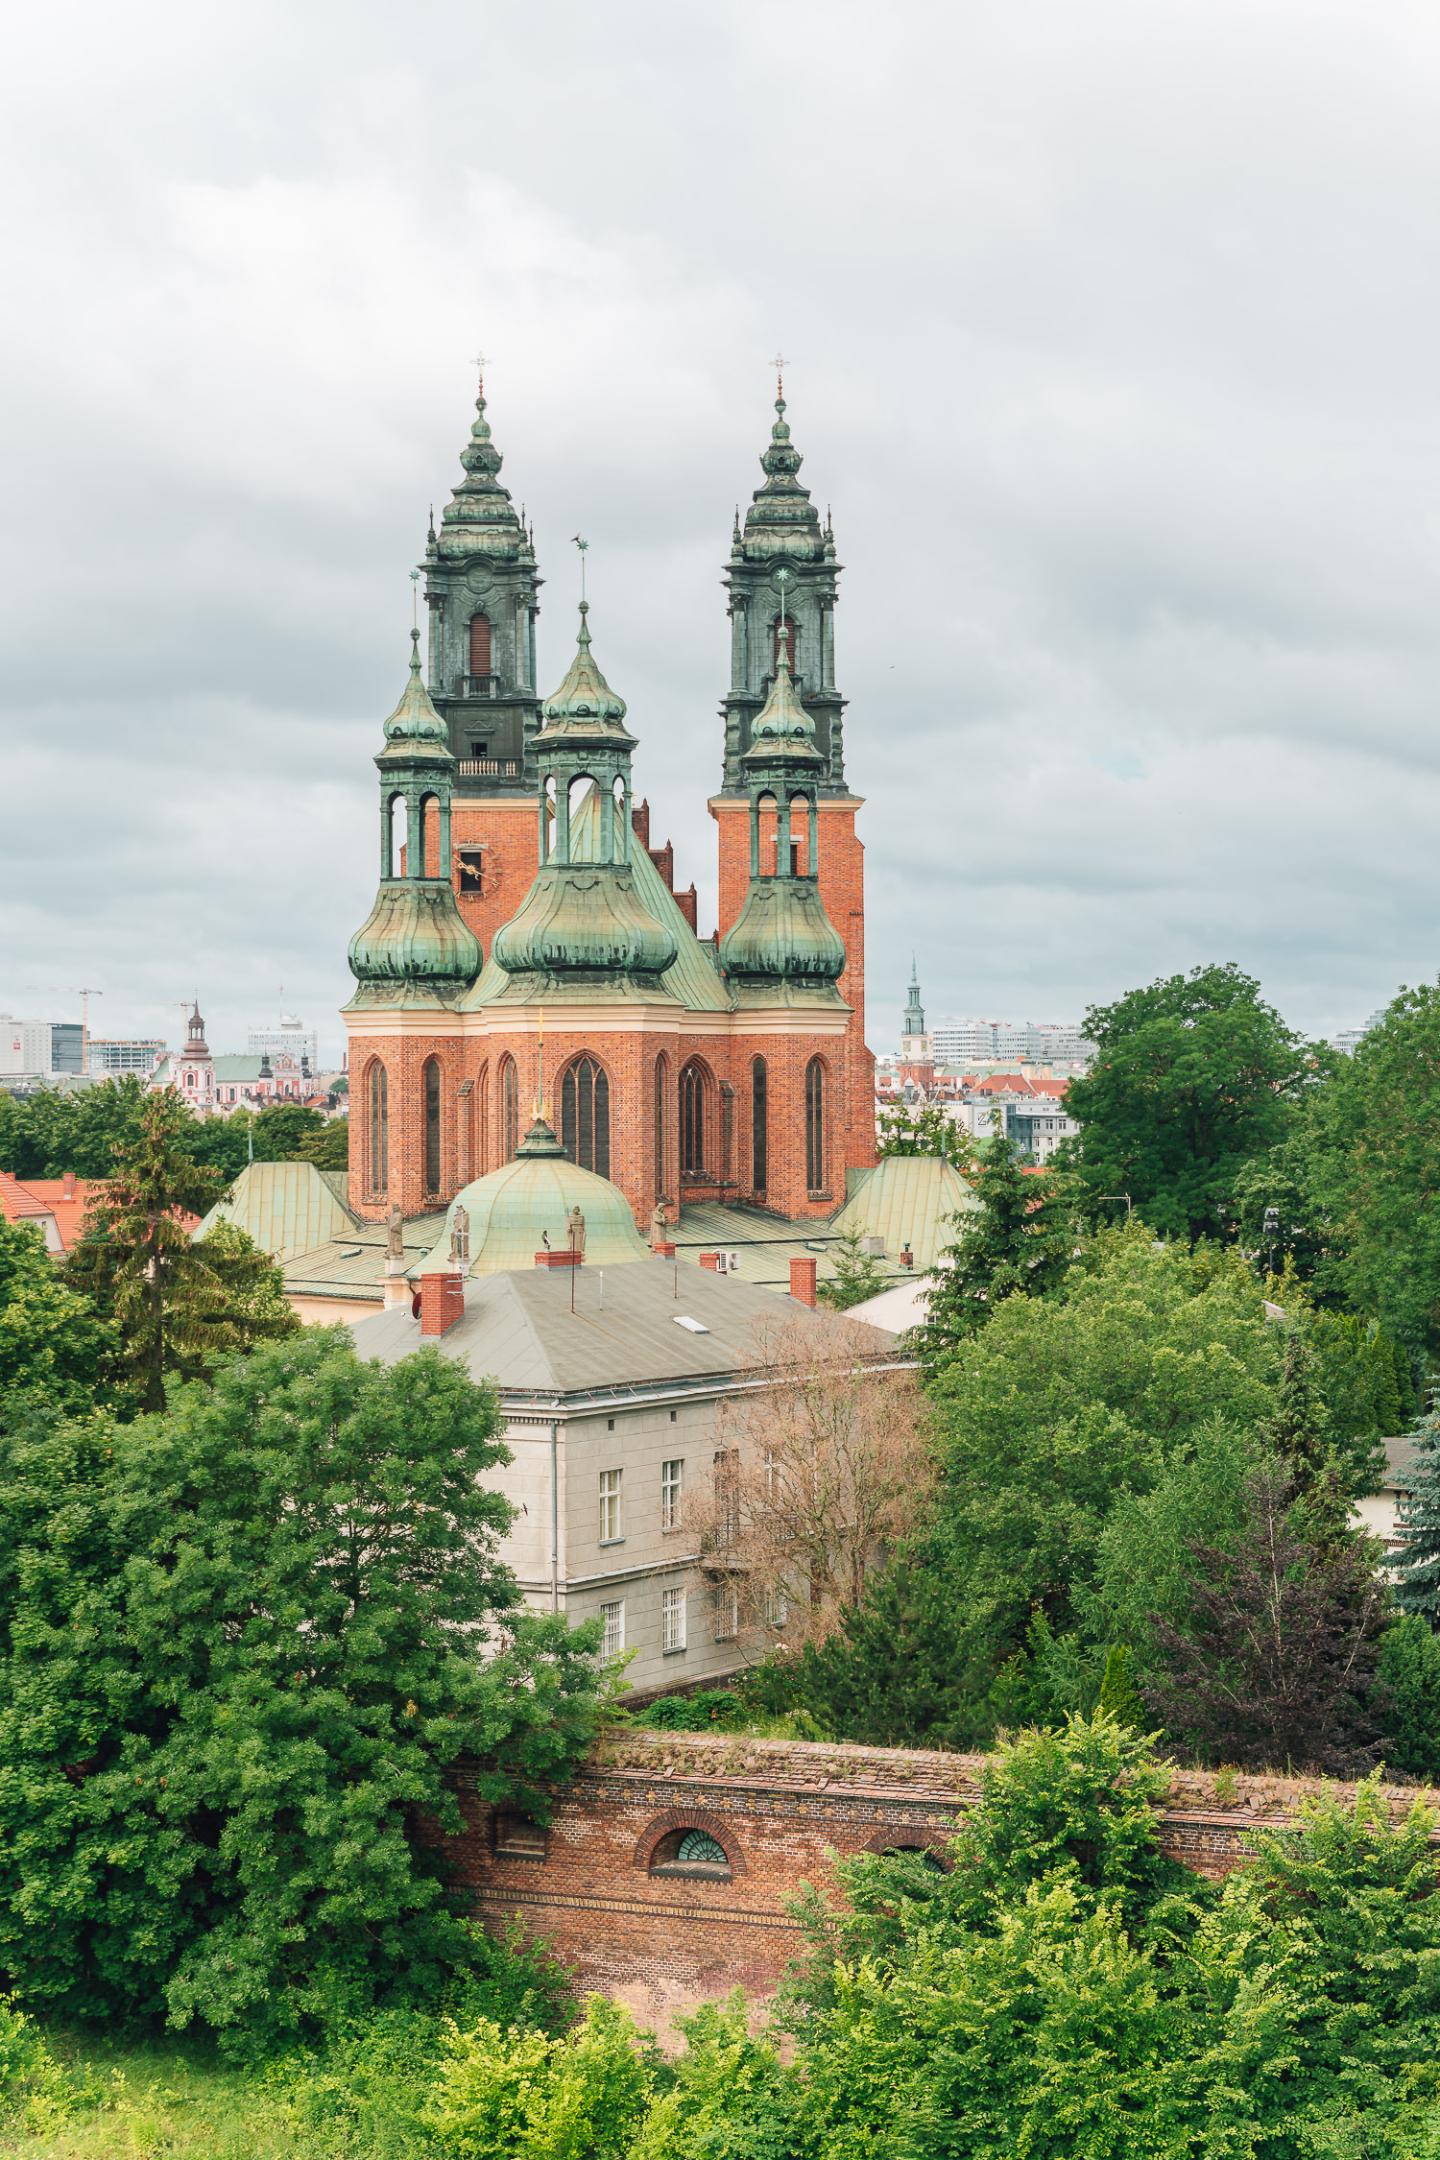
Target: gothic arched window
[(430, 1097), (480, 1124), (662, 1121), (509, 1110), (815, 1125), (379, 1152), (479, 645), (585, 1115), (693, 1119), (759, 1124)]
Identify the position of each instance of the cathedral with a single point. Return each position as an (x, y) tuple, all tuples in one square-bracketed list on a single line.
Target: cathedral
[(528, 957)]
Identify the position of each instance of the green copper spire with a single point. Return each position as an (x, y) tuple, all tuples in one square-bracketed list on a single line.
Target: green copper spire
[(582, 922), (783, 729), (914, 1010), (414, 946)]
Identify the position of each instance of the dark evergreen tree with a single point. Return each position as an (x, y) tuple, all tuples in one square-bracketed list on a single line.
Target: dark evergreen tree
[(858, 1275), (180, 1303), (1407, 1697), (1417, 1578), (1273, 1662), (1016, 1240)]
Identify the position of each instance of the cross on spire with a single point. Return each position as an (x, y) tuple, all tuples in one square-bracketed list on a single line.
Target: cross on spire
[(480, 369), (779, 364)]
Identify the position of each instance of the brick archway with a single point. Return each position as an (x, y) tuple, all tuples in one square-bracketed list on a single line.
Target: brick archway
[(663, 1826)]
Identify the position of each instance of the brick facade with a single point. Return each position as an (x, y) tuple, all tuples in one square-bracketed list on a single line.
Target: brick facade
[(782, 1812)]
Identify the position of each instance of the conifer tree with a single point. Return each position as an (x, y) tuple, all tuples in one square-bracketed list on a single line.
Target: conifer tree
[(180, 1303), (858, 1275), (1016, 1240), (1417, 1579)]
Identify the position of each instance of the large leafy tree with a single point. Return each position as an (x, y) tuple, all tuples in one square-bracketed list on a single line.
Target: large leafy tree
[(248, 1645), (1194, 1076), (54, 1346), (179, 1302), (922, 1129), (1017, 1240), (54, 1130)]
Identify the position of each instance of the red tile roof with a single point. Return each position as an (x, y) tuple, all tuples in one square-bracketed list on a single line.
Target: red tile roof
[(65, 1199)]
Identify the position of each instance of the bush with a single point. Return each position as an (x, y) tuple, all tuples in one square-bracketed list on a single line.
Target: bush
[(506, 2094), (35, 2094), (1407, 1697)]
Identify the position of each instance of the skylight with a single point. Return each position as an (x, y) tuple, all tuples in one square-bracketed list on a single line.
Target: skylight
[(696, 1327)]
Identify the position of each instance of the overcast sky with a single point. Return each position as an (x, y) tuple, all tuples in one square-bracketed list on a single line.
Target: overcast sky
[(1112, 333)]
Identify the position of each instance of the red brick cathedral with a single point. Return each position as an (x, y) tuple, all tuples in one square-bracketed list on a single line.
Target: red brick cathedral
[(528, 951)]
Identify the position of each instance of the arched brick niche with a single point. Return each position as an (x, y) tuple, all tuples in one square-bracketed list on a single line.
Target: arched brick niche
[(653, 1850), (902, 1843)]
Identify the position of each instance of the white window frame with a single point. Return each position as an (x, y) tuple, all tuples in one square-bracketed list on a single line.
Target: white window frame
[(612, 1642), (612, 1520), (673, 1621), (672, 1489), (727, 1612)]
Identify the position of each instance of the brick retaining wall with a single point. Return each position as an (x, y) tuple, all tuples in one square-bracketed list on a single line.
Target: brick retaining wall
[(783, 1811)]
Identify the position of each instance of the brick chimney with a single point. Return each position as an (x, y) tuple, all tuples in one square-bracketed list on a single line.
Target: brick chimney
[(69, 1190), (442, 1301), (802, 1279), (689, 907), (640, 822), (664, 861), (710, 1260)]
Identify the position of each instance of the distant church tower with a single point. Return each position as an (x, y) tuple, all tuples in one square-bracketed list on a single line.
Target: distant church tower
[(917, 1049)]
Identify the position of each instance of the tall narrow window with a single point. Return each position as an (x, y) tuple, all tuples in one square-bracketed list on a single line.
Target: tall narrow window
[(379, 1128), (815, 1125), (692, 1121), (585, 1116), (509, 1110), (662, 1121), (480, 1109), (672, 1621), (612, 1616), (610, 1521), (431, 1089), (672, 1485), (479, 645), (759, 1136)]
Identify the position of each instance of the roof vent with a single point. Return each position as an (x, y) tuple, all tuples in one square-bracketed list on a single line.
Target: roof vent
[(696, 1327)]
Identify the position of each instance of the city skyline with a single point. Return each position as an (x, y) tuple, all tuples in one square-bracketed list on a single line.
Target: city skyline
[(1138, 625)]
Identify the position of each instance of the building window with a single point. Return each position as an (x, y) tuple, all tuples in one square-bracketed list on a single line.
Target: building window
[(480, 1124), (672, 1482), (815, 1125), (672, 1622), (509, 1110), (691, 1852), (612, 1640), (379, 1128), (727, 1495), (791, 628), (470, 862), (662, 1121), (479, 645), (585, 1116), (610, 1522), (727, 1612), (431, 1088), (759, 1135), (692, 1121), (517, 1836)]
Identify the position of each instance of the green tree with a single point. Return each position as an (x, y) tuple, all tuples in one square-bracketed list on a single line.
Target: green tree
[(247, 1643), (282, 1130), (508, 2095), (1272, 1664), (1194, 1076), (330, 1148), (54, 1346), (1145, 1558), (179, 1302), (732, 2098), (1417, 1577), (1017, 1241), (922, 1129), (224, 1144), (1407, 1697), (56, 1129), (858, 1274)]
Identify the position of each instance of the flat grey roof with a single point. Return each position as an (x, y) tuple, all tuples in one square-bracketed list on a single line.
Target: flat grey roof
[(625, 1332)]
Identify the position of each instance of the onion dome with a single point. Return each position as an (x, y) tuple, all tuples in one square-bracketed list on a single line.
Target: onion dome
[(584, 710), (516, 1210), (480, 518), (585, 922), (783, 935), (415, 935), (781, 519)]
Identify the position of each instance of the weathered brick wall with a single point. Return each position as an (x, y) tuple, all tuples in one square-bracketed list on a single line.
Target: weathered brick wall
[(783, 1811)]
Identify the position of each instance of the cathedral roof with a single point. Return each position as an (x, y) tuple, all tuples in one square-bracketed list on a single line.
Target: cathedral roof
[(781, 519), (480, 518), (516, 1209), (584, 711)]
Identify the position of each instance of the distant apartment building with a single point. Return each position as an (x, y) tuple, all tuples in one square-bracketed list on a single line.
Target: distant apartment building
[(115, 1054), (970, 1042), (1348, 1038), (287, 1038), (34, 1049)]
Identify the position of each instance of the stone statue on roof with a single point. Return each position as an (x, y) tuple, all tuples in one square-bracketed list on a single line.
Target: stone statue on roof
[(395, 1234), (460, 1233), (575, 1230), (659, 1224)]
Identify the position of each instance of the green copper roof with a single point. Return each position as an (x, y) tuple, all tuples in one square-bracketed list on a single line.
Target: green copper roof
[(515, 1209), (480, 518), (585, 922), (784, 733), (783, 934), (415, 728), (584, 710), (909, 1199), (781, 519), (414, 936)]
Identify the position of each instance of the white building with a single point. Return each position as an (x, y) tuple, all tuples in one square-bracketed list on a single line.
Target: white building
[(287, 1038), (114, 1054), (34, 1049), (979, 1043)]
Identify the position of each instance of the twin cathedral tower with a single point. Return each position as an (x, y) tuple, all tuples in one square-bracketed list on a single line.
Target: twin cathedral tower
[(527, 952)]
